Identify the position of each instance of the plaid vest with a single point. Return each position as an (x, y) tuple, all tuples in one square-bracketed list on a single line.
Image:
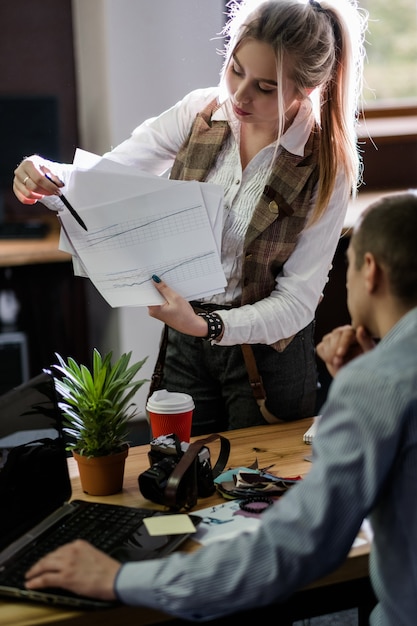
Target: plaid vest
[(280, 214)]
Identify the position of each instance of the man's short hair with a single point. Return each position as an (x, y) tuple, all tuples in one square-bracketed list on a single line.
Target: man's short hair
[(388, 230)]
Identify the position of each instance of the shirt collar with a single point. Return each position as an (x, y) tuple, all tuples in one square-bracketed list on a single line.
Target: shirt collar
[(405, 324), (294, 139)]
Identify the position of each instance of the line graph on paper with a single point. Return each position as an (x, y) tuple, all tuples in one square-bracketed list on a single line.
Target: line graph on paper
[(178, 272), (164, 233), (145, 229)]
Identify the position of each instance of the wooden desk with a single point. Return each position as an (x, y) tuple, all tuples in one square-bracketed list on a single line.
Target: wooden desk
[(280, 445)]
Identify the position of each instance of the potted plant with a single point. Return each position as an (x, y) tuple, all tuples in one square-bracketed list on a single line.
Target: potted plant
[(97, 406)]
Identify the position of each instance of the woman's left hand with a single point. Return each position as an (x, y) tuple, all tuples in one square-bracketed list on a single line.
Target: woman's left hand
[(177, 312)]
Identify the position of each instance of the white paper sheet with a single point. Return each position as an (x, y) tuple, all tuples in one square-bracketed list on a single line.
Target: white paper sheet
[(139, 225)]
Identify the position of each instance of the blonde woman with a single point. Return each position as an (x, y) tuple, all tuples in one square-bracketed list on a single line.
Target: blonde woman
[(278, 134)]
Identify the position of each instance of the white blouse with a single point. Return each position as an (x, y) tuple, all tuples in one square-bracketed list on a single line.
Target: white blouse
[(153, 146)]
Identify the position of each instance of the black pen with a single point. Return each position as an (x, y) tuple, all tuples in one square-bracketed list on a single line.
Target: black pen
[(68, 205)]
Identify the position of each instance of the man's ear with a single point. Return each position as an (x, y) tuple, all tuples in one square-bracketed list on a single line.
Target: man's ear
[(372, 272)]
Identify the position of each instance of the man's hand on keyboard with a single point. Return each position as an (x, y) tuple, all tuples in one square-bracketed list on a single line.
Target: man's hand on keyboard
[(78, 567)]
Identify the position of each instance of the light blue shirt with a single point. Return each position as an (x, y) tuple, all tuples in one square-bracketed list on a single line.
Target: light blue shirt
[(364, 465)]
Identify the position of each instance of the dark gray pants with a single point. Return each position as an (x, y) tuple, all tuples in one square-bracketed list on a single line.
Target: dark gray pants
[(217, 379)]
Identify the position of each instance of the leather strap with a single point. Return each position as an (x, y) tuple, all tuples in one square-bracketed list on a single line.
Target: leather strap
[(255, 379), (175, 479), (159, 366)]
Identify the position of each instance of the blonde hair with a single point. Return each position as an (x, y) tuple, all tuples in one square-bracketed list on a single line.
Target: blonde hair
[(325, 42)]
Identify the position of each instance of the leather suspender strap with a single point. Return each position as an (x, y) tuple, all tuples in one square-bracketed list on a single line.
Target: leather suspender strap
[(255, 379), (159, 366), (256, 383), (185, 462)]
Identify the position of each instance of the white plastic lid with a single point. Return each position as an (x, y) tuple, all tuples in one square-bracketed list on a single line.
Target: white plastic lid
[(163, 401)]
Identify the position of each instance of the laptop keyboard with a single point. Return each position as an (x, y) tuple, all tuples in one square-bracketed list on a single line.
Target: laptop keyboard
[(104, 525)]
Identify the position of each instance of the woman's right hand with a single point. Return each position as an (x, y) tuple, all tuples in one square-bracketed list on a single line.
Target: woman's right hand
[(30, 183)]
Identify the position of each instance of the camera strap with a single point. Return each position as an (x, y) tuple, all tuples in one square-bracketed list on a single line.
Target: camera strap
[(188, 458)]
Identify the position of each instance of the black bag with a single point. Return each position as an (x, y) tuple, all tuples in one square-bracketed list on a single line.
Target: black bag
[(180, 473)]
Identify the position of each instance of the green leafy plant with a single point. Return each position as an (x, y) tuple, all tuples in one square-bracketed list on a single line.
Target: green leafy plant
[(97, 404)]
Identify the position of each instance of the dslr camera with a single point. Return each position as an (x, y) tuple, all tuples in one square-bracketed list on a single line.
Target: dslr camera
[(192, 480)]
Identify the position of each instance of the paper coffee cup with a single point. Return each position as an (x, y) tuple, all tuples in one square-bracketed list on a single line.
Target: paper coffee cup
[(170, 412)]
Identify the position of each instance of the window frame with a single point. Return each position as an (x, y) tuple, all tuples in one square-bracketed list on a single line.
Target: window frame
[(387, 138)]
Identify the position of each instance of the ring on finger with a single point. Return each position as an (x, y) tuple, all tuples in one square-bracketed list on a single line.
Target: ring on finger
[(25, 180)]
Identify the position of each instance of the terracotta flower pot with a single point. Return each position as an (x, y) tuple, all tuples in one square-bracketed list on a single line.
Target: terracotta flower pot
[(102, 475)]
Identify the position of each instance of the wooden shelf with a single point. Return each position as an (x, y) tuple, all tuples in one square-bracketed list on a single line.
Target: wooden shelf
[(14, 252), (360, 203), (389, 129)]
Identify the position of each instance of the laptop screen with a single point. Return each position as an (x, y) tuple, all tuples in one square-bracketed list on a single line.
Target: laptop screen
[(34, 478)]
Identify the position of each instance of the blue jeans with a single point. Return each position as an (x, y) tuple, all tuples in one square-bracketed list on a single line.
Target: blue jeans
[(217, 379)]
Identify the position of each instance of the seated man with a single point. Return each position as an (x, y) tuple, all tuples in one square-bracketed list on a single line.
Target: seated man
[(364, 465)]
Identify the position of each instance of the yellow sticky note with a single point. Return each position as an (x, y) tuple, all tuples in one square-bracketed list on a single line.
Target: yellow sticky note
[(176, 524)]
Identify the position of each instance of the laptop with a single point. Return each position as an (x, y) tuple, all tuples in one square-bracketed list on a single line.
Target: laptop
[(36, 514)]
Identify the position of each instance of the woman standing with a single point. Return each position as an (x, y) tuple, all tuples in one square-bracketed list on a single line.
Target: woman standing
[(278, 134)]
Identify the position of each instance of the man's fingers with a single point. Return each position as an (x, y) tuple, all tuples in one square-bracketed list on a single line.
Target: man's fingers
[(364, 339), (78, 567), (50, 564), (345, 339)]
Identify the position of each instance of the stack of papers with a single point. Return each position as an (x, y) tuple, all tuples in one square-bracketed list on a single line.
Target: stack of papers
[(309, 435), (139, 225)]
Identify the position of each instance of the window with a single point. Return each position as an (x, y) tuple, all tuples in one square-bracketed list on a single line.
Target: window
[(388, 136), (391, 47)]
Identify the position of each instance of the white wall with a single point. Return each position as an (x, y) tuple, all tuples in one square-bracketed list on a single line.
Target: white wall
[(135, 58)]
